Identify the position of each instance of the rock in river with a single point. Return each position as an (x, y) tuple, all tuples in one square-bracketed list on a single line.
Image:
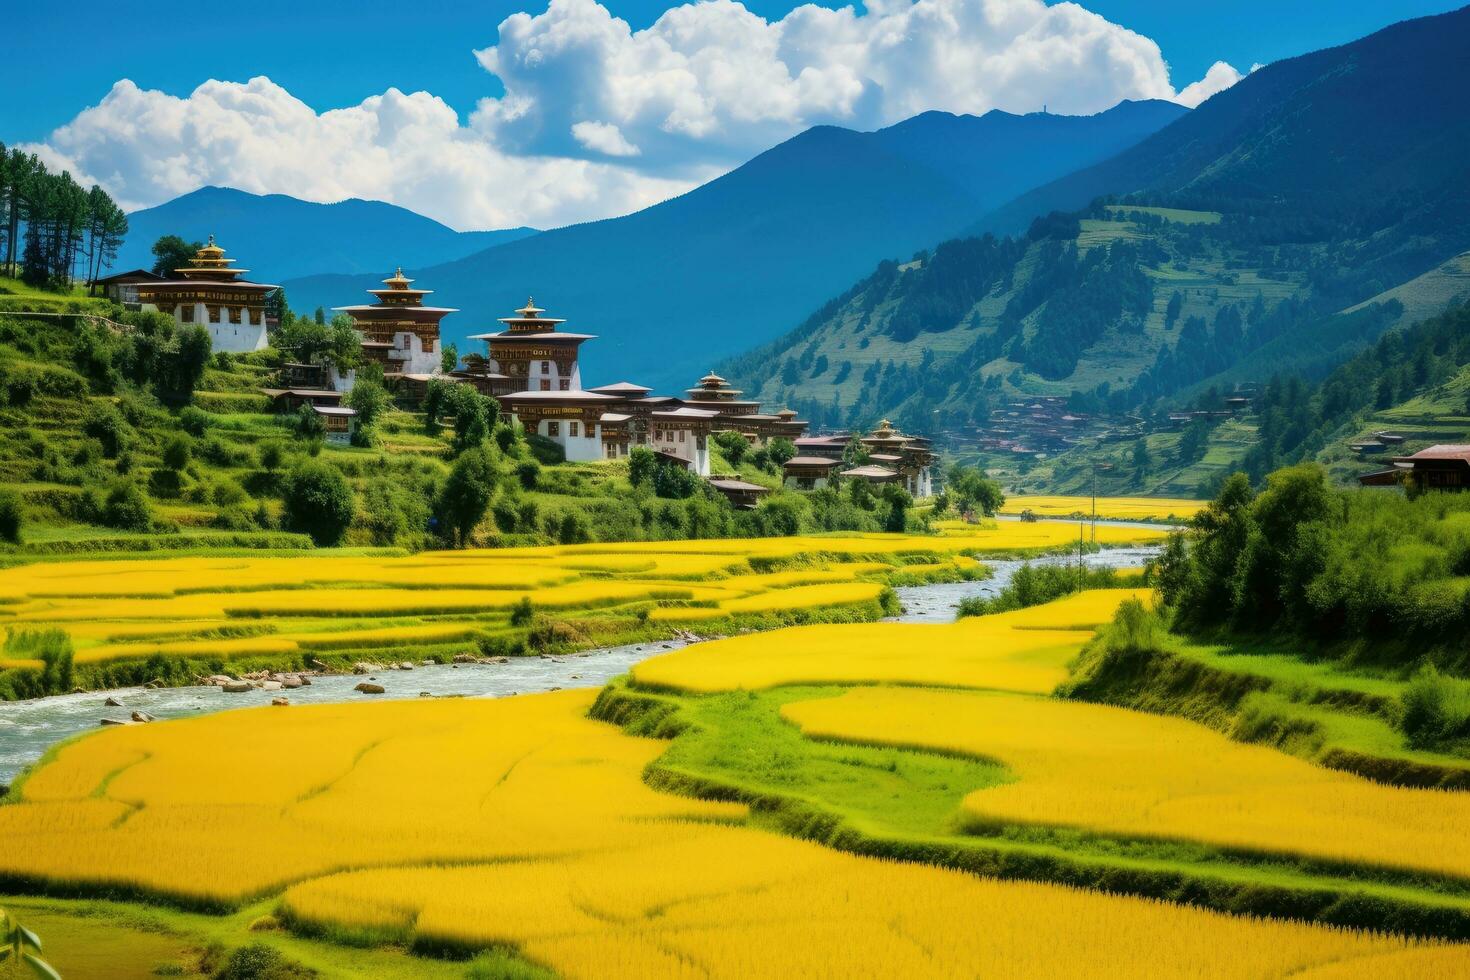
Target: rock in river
[(367, 688)]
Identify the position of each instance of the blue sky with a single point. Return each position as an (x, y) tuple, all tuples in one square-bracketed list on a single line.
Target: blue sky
[(335, 54), (501, 113)]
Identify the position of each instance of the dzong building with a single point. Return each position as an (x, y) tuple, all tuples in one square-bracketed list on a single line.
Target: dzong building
[(212, 294), (399, 332), (533, 368)]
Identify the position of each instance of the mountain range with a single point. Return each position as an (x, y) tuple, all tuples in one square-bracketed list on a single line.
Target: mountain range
[(1282, 225), (280, 237), (740, 260)]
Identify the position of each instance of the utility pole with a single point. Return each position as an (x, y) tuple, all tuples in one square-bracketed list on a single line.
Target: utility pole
[(1094, 503), (1081, 532)]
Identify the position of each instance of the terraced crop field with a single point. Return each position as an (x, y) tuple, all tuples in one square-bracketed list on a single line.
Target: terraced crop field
[(523, 822), (174, 618), (827, 799), (1108, 508)]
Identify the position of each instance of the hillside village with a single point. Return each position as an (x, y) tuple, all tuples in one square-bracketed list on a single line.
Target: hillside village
[(532, 368), (500, 445)]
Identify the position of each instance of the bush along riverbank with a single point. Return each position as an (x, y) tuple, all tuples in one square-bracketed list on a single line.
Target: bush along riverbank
[(1322, 621)]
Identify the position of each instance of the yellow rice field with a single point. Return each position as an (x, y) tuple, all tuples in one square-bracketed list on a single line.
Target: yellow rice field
[(1125, 773), (1108, 508), (189, 607), (520, 821), (195, 808), (467, 823), (729, 902), (1026, 650)]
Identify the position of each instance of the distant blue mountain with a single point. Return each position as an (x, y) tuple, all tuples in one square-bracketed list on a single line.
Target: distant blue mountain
[(674, 288), (279, 237)]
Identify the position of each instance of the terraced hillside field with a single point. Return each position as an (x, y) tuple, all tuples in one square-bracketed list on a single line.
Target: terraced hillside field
[(734, 809), (173, 619)]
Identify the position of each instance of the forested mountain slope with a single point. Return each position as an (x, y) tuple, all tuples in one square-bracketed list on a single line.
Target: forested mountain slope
[(743, 258), (1280, 227)]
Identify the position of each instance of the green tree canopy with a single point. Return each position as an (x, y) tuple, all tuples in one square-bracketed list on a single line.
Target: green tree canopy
[(171, 252), (319, 502), (466, 495)]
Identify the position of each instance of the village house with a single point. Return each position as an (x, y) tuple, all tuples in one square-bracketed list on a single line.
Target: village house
[(338, 421), (742, 495), (207, 292), (1443, 467), (909, 460), (809, 472), (122, 287)]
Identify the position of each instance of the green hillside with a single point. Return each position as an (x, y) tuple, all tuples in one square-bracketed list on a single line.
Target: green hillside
[(122, 432), (1175, 466), (1277, 230), (1123, 304)]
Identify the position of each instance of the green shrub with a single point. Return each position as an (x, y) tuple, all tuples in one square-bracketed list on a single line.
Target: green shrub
[(257, 961), (272, 455), (126, 508), (227, 493), (319, 502), (1033, 585), (1435, 710), (177, 452), (392, 512), (165, 484), (20, 389), (105, 424), (195, 420), (10, 517), (53, 647), (465, 497), (309, 425), (522, 613)]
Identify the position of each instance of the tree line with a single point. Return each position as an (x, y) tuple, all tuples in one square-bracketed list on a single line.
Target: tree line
[(54, 231)]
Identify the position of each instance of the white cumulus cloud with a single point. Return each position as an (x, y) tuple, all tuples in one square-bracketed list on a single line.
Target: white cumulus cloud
[(146, 147), (605, 138), (598, 119), (1220, 77), (714, 81)]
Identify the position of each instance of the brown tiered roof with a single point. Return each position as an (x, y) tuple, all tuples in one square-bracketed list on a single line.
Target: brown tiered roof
[(398, 296), (529, 323), (208, 267)]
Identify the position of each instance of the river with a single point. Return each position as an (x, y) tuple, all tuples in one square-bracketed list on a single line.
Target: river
[(28, 728)]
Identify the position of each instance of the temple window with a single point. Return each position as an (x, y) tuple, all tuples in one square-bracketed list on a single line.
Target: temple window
[(214, 314), (403, 341), (545, 384), (566, 385), (428, 345), (234, 314), (573, 429), (681, 435), (186, 313), (553, 428)]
